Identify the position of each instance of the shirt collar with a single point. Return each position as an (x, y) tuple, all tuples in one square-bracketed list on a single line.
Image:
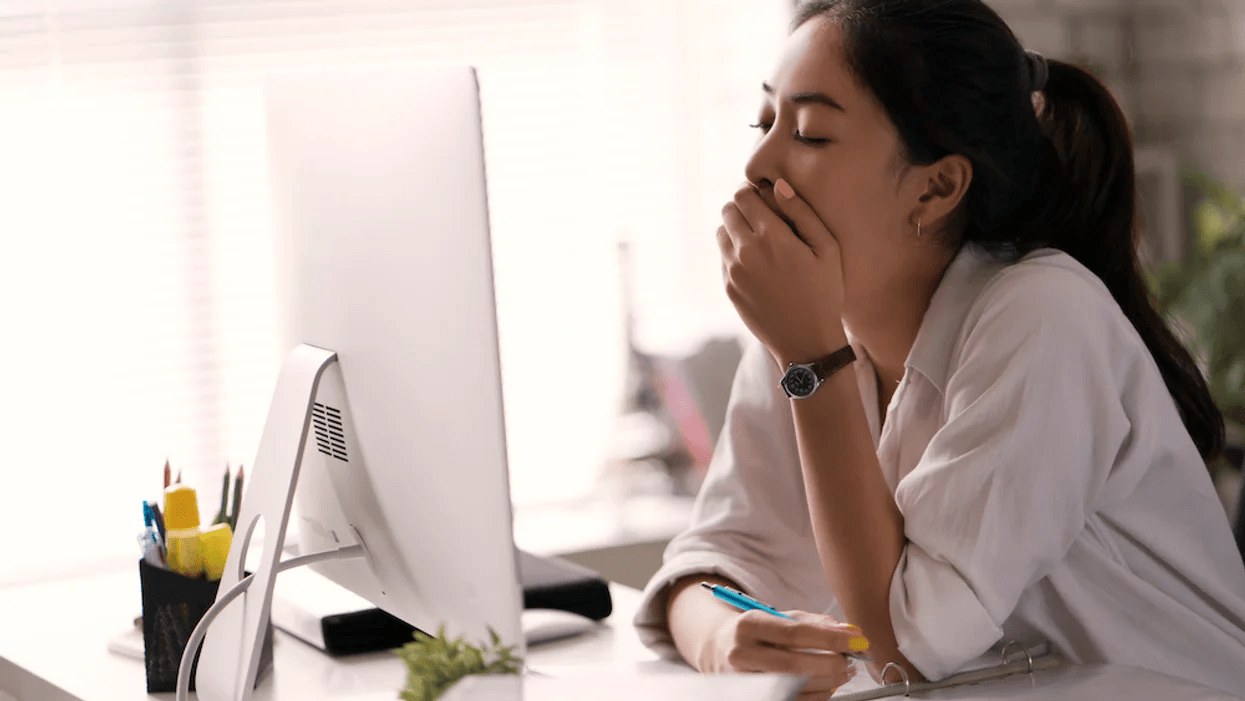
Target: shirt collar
[(965, 277)]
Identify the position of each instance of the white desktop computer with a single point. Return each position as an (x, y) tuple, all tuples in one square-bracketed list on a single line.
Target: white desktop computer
[(386, 428)]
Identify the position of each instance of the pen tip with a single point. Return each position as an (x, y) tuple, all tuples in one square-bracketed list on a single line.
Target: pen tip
[(706, 585)]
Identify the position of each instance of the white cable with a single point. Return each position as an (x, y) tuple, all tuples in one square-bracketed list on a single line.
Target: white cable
[(200, 631)]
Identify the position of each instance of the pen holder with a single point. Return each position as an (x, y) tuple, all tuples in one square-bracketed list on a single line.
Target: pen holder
[(173, 604)]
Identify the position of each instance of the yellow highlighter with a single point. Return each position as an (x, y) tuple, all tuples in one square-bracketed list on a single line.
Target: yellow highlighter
[(181, 525), (214, 548)]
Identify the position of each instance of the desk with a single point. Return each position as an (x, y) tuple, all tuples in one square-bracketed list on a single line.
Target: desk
[(54, 636)]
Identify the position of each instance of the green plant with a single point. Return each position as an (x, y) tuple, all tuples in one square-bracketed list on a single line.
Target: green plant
[(434, 663), (1203, 296)]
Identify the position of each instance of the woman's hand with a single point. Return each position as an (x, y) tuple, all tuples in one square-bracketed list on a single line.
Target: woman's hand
[(755, 641), (811, 644), (787, 285)]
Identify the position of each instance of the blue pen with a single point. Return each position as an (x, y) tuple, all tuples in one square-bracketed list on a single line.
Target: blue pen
[(149, 542), (743, 602), (151, 516), (156, 518)]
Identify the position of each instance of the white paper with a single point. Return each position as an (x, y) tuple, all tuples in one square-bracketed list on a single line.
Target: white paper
[(627, 687)]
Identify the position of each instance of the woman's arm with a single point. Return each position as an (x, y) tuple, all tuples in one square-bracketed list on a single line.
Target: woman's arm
[(751, 521), (788, 290), (695, 616), (858, 528)]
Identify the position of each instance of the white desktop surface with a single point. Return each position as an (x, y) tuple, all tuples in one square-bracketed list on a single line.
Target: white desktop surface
[(54, 638)]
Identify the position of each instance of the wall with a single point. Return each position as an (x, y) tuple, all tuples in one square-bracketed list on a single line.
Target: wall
[(1176, 66)]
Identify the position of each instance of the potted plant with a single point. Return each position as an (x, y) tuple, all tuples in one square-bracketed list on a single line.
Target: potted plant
[(435, 662), (1203, 298)]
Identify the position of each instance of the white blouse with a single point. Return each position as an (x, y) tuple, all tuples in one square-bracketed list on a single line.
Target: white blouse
[(1049, 489)]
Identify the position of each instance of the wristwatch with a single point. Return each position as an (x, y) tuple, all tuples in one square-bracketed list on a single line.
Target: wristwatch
[(802, 379)]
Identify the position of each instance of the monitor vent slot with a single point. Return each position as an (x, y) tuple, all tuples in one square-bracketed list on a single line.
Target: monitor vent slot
[(330, 438)]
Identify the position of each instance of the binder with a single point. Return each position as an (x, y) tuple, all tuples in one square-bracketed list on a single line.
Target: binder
[(1010, 666), (331, 618)]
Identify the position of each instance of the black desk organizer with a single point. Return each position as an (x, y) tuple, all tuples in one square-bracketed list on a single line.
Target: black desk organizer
[(173, 604)]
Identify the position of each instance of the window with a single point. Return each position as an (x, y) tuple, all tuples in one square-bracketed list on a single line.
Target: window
[(136, 277)]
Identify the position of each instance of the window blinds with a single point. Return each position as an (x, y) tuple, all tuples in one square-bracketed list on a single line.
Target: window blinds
[(138, 308)]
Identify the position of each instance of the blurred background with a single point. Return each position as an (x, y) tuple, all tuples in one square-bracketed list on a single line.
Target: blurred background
[(136, 294)]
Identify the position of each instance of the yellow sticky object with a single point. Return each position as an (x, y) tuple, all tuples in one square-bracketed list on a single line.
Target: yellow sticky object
[(214, 548), (181, 523), (181, 508), (184, 553)]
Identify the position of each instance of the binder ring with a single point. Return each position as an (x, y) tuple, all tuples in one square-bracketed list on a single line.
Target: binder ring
[(1023, 649), (907, 686)]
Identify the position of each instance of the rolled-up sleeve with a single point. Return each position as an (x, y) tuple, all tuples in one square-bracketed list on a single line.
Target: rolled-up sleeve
[(1033, 423), (750, 523)]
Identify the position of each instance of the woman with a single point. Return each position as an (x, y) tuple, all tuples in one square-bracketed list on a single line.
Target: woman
[(1018, 449)]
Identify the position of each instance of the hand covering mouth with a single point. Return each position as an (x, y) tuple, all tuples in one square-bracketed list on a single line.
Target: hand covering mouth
[(766, 191)]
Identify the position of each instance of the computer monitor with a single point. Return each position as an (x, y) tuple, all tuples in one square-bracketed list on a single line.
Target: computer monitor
[(386, 427)]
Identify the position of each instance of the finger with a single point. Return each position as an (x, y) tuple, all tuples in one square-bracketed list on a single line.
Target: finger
[(807, 223), (858, 640), (726, 244), (749, 203), (767, 658), (822, 619), (736, 223), (800, 634), (764, 219)]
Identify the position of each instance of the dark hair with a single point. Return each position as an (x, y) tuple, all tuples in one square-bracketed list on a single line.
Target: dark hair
[(954, 79)]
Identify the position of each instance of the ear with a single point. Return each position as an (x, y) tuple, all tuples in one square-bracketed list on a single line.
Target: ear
[(944, 185)]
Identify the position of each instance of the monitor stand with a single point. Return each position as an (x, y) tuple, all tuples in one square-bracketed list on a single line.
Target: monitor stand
[(229, 661)]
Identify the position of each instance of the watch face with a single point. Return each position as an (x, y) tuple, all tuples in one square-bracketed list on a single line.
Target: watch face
[(799, 381)]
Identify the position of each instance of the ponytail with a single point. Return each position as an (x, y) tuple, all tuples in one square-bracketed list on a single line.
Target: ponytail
[(1095, 160)]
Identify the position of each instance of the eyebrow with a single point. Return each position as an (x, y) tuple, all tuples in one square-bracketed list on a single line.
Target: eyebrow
[(805, 98)]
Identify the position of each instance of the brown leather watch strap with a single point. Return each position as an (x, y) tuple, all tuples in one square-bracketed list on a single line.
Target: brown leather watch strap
[(834, 362)]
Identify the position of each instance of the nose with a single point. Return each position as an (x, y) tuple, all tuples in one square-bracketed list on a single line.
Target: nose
[(764, 167)]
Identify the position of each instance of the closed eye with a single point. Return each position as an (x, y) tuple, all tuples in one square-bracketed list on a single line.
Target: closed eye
[(809, 140), (798, 136)]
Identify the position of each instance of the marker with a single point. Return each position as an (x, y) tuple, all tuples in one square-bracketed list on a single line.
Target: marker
[(743, 602)]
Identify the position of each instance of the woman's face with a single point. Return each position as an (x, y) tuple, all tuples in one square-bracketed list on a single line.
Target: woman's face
[(829, 138)]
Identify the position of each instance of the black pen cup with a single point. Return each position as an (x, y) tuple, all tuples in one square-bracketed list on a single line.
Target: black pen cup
[(173, 605)]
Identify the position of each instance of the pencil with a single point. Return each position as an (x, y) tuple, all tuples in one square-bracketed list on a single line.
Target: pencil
[(168, 473), (222, 516), (237, 500)]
